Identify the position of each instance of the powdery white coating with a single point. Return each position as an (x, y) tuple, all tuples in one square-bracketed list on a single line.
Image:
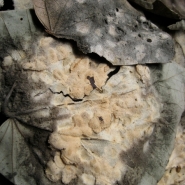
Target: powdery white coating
[(35, 65), (140, 52), (109, 120), (8, 61), (101, 117), (175, 170), (112, 30), (83, 28), (80, 1), (86, 179), (64, 72)]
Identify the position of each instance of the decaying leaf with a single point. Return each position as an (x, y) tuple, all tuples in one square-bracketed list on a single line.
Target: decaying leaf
[(14, 153), (168, 8), (12, 38), (22, 4), (18, 159), (178, 26), (179, 38), (80, 119), (112, 29), (174, 173)]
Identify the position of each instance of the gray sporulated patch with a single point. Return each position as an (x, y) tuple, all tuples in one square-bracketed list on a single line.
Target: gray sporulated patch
[(111, 29)]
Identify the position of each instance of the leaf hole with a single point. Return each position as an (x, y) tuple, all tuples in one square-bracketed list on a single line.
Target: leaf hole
[(139, 35), (21, 18), (149, 40), (106, 22)]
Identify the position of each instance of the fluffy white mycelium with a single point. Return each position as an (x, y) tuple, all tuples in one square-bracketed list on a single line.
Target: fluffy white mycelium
[(105, 116)]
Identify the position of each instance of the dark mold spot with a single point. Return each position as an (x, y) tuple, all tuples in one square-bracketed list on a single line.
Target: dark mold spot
[(92, 81), (100, 118), (178, 169)]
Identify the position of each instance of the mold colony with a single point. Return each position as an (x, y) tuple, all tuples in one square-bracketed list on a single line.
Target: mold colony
[(102, 116), (101, 122)]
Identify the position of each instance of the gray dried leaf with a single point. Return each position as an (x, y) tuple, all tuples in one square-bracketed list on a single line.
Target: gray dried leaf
[(22, 4), (18, 159), (12, 38), (168, 8), (178, 25), (14, 153), (112, 29)]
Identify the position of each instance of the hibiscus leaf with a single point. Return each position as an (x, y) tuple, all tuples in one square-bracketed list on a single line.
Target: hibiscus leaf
[(112, 29), (24, 137), (12, 38), (15, 156), (21, 153)]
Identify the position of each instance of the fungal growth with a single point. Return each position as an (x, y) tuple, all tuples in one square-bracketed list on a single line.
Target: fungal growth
[(75, 118), (94, 120), (174, 173), (112, 29)]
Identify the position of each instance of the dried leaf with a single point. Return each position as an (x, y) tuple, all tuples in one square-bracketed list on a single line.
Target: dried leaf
[(127, 115), (16, 162), (168, 8), (112, 29), (178, 26), (22, 4), (12, 38)]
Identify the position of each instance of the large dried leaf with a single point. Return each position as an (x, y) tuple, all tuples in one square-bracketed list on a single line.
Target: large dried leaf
[(169, 80), (112, 29), (53, 78)]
